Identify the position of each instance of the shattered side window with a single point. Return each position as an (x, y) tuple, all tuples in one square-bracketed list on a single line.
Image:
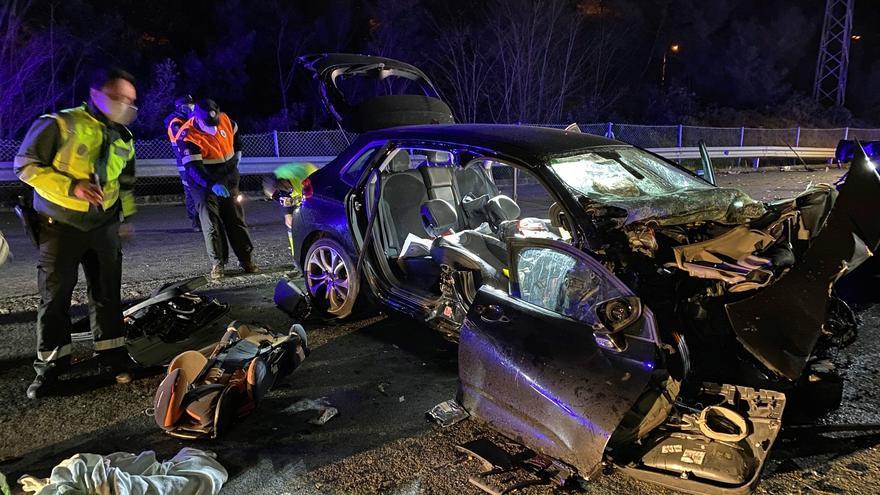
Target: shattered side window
[(562, 283), (616, 173)]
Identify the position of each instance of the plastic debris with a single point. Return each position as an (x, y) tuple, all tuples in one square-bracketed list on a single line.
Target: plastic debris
[(326, 412), (326, 415), (447, 413), (382, 388)]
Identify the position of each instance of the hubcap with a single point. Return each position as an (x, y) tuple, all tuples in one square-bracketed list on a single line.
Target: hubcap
[(327, 277)]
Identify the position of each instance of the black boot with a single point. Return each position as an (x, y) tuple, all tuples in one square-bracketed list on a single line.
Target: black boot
[(46, 380)]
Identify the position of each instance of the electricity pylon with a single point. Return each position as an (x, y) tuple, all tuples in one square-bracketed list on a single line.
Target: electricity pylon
[(830, 83)]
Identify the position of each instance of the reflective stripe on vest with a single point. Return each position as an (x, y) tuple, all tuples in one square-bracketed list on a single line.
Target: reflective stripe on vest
[(172, 136), (81, 138), (216, 148)]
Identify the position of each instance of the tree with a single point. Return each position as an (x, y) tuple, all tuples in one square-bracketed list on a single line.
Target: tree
[(30, 64), (157, 100)]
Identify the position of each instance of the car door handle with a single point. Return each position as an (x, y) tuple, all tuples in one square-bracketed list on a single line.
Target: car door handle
[(492, 313)]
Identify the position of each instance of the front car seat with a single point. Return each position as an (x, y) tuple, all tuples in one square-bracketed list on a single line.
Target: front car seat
[(465, 250)]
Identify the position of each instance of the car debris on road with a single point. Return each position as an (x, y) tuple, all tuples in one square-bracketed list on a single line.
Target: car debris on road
[(447, 413), (326, 412)]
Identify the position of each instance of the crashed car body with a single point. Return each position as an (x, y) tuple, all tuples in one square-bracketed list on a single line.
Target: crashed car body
[(596, 289)]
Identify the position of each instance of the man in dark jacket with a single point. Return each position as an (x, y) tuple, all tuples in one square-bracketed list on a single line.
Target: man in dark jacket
[(183, 109), (80, 164)]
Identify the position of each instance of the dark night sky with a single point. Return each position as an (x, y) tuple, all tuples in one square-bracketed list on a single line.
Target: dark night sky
[(745, 55)]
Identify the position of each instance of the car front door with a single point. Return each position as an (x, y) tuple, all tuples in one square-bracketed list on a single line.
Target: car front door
[(541, 365)]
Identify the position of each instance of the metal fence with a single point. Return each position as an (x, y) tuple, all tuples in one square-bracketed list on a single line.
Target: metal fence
[(262, 150)]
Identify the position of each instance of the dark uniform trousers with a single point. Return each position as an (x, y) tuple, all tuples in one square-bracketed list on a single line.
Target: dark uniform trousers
[(188, 201), (222, 219), (62, 249)]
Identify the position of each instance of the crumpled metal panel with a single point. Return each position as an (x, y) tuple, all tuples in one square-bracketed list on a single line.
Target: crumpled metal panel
[(724, 205), (543, 380), (781, 324)]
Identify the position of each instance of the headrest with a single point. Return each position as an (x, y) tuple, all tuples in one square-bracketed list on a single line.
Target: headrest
[(438, 216), (501, 208), (400, 162), (190, 364), (438, 158)]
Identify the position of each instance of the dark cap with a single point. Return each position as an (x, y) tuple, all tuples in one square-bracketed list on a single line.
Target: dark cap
[(208, 111), (184, 100)]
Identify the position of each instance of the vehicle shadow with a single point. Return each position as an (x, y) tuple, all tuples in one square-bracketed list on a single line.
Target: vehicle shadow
[(836, 445)]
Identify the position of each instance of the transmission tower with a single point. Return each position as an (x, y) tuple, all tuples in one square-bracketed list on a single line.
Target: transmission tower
[(830, 84)]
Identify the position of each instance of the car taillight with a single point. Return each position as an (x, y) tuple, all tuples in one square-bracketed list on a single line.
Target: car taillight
[(307, 189)]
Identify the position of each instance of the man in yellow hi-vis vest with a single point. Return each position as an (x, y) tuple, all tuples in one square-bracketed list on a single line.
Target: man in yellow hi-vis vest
[(80, 163)]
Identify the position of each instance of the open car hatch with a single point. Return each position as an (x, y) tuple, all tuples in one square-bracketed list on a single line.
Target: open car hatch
[(365, 93), (780, 324)]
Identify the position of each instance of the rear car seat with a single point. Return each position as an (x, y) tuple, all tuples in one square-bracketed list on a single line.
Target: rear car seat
[(403, 192)]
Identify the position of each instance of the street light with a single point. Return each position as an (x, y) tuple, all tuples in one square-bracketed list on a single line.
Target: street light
[(673, 48)]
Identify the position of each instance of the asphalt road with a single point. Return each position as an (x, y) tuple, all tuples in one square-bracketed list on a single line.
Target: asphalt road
[(381, 373)]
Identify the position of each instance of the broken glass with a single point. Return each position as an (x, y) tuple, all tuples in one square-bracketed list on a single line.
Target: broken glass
[(562, 283)]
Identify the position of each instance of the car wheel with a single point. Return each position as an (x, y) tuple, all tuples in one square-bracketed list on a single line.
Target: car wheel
[(330, 278)]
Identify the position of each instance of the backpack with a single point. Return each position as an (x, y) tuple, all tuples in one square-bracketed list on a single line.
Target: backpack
[(202, 394)]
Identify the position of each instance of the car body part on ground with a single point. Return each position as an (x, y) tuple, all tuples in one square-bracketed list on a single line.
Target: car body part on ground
[(446, 413), (292, 300), (4, 249), (505, 473), (172, 320), (201, 395), (322, 405), (364, 93), (189, 472)]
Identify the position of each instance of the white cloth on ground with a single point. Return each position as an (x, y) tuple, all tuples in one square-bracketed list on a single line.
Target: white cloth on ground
[(190, 472)]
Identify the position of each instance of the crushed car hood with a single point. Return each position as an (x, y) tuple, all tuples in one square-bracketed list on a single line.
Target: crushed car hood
[(781, 323), (719, 204), (376, 112)]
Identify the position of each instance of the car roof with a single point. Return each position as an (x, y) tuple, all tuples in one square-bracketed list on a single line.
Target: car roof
[(531, 144)]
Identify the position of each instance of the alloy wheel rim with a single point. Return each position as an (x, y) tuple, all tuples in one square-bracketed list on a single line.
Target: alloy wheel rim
[(327, 277)]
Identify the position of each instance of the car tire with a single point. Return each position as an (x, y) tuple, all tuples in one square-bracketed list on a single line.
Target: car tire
[(330, 278)]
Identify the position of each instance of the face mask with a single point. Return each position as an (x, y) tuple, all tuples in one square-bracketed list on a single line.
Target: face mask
[(115, 111)]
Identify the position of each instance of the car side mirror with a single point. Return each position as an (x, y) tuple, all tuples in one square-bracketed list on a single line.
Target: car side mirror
[(613, 317)]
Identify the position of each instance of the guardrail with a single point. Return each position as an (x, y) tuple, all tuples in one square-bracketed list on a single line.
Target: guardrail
[(163, 167)]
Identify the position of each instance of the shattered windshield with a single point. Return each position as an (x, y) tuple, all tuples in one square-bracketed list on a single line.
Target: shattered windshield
[(614, 173)]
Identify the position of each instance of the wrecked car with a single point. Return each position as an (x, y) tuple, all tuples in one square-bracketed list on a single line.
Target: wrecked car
[(602, 296)]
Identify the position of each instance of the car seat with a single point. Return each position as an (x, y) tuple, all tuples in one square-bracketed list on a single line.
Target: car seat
[(201, 394), (465, 250)]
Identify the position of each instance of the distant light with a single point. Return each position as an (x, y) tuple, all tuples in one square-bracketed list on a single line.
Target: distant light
[(239, 198), (674, 48), (856, 37)]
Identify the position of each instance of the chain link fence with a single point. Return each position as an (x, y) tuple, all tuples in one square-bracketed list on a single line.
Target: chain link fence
[(278, 145)]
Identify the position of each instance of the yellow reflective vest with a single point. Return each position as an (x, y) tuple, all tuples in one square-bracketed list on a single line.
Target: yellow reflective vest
[(80, 145)]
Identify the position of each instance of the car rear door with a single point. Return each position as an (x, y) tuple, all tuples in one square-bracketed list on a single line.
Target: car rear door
[(532, 363)]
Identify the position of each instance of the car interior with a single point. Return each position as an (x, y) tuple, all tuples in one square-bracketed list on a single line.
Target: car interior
[(434, 212)]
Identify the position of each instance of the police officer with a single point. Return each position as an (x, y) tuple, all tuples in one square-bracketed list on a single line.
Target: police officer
[(80, 164), (183, 109), (210, 151)]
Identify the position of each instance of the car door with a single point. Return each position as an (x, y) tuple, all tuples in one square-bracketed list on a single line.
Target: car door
[(536, 362)]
